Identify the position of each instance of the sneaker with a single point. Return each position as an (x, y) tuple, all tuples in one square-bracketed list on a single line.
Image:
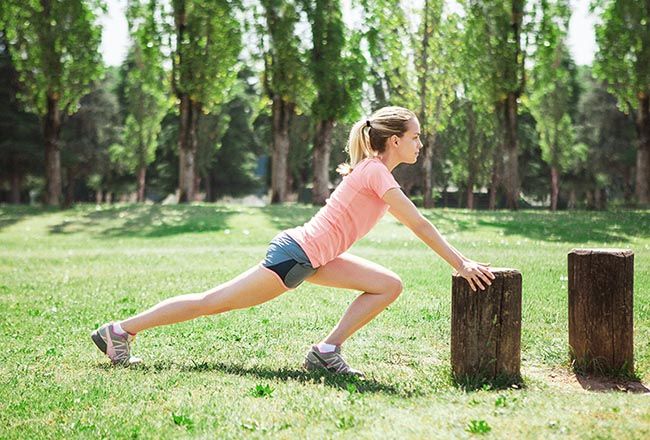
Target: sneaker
[(117, 347), (332, 362)]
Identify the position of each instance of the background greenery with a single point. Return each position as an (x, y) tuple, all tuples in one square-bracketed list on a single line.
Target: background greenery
[(233, 97)]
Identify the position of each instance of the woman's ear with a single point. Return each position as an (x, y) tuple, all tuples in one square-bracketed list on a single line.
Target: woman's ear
[(395, 140)]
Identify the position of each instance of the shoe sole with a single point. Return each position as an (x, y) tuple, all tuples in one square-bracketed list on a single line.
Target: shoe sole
[(99, 341)]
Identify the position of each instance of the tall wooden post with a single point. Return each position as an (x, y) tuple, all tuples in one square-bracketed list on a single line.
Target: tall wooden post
[(600, 310), (486, 328)]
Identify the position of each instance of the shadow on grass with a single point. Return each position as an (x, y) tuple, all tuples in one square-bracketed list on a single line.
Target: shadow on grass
[(572, 226), (598, 383), (483, 383), (148, 220), (365, 385), (12, 214)]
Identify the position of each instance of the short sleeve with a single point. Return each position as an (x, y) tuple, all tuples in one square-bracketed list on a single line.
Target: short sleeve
[(380, 179)]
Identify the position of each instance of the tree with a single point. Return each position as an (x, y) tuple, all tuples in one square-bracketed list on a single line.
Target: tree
[(54, 49), (286, 83), (337, 68), (207, 44), (553, 90), (608, 136), (145, 85), (468, 138), (437, 75), (88, 134), (494, 34), (21, 140), (392, 77), (623, 61)]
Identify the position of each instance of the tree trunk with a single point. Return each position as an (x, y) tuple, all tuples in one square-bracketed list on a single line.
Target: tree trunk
[(470, 194), (486, 328), (601, 310), (209, 196), (142, 173), (495, 179), (51, 131), (511, 162), (572, 199), (322, 146), (471, 157), (428, 141), (643, 152), (69, 189), (99, 196), (16, 183), (427, 171), (597, 201), (555, 187), (187, 144), (282, 112), (197, 186)]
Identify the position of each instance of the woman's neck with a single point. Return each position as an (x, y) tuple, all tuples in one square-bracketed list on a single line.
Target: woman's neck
[(388, 161)]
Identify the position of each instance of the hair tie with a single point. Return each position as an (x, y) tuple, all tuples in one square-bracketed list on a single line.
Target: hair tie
[(368, 123)]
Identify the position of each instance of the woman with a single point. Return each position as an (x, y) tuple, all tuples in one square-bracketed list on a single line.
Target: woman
[(315, 252)]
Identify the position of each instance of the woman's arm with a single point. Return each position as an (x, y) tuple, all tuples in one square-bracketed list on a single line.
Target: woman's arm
[(405, 211)]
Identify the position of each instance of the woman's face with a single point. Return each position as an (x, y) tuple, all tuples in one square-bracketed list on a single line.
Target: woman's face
[(409, 145)]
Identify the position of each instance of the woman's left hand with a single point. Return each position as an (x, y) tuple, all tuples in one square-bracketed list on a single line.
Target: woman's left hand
[(476, 274)]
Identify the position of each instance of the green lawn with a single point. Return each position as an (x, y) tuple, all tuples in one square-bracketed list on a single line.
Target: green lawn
[(62, 273)]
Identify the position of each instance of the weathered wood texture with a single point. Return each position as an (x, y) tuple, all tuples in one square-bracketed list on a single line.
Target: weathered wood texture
[(486, 327), (600, 310)]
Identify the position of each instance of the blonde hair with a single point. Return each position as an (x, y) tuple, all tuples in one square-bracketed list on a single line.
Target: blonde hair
[(368, 136)]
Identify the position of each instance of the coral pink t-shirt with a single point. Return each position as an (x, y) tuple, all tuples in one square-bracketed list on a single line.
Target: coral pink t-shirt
[(354, 207)]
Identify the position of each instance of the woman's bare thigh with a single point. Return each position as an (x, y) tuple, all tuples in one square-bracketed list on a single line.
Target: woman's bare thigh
[(349, 271)]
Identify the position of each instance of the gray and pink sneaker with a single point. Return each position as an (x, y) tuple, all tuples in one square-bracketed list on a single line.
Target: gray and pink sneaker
[(332, 362), (114, 345)]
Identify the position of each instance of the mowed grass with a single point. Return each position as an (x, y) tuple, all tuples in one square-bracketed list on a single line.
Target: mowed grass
[(63, 273)]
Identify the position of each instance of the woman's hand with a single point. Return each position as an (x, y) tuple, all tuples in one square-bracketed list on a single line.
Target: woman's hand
[(476, 274)]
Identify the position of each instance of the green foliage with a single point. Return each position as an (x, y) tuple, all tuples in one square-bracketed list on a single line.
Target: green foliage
[(262, 391), (337, 64), (87, 135), (554, 85), (386, 30), (606, 137), (437, 65), (208, 42), (478, 427), (54, 49), (233, 168), (468, 139), (623, 56), (21, 141), (286, 58), (492, 55), (145, 87), (183, 420)]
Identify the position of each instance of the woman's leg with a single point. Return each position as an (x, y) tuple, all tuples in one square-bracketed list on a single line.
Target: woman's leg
[(379, 285), (255, 286)]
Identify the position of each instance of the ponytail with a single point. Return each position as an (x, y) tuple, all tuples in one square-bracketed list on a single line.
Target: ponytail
[(368, 136)]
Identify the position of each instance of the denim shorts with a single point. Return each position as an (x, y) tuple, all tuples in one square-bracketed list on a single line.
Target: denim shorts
[(288, 261)]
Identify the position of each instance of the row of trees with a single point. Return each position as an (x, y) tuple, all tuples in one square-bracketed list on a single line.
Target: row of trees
[(207, 86)]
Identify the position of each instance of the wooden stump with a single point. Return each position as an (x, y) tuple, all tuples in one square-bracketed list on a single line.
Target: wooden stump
[(600, 310), (486, 328)]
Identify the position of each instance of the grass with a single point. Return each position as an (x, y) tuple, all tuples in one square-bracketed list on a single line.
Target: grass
[(62, 273)]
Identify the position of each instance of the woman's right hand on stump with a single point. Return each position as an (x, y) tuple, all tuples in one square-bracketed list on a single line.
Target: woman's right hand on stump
[(476, 274)]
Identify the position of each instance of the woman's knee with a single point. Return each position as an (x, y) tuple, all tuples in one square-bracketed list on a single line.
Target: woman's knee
[(394, 287)]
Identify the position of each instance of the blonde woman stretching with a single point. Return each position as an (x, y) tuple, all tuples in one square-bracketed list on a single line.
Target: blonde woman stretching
[(315, 252)]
